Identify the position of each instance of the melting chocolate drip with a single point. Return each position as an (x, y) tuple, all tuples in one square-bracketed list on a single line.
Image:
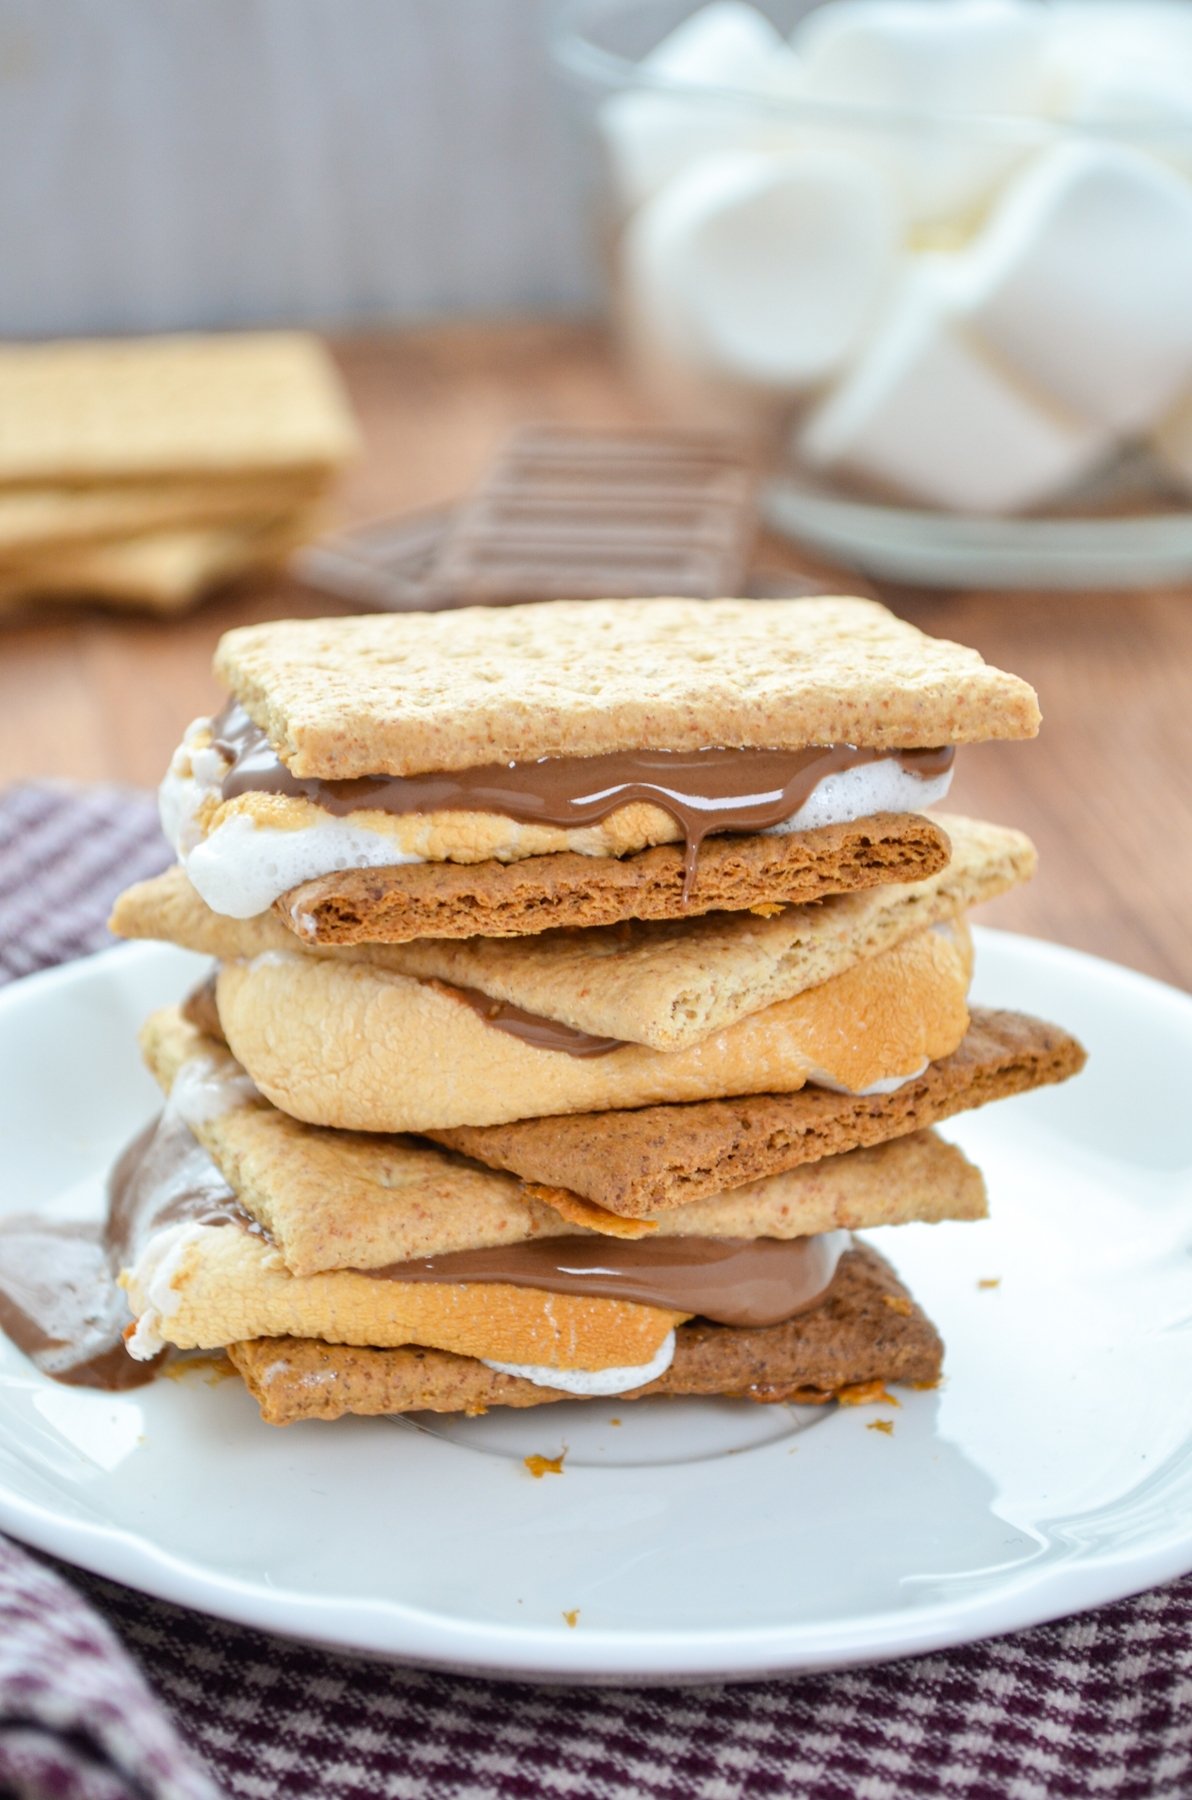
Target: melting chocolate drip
[(59, 1301), (703, 791)]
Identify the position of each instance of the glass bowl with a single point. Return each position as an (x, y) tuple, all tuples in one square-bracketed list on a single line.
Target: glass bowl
[(934, 256)]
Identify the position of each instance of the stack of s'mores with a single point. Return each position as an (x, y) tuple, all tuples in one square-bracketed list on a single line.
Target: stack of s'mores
[(585, 974)]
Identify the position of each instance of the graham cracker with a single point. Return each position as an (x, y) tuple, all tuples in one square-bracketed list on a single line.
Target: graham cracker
[(854, 1339), (643, 1162), (493, 899), (346, 1200), (37, 522), (402, 694), (247, 403), (363, 1049), (160, 571)]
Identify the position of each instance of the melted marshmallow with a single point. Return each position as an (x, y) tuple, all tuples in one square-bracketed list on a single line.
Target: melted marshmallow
[(591, 1382), (205, 1089), (888, 1084), (871, 788), (154, 1275)]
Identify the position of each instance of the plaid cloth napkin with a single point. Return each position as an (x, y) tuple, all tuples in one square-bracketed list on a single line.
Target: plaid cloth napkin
[(1098, 1705)]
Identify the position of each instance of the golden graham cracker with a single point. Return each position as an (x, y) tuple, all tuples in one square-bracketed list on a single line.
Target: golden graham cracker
[(640, 1163), (494, 899), (247, 403), (346, 1200), (661, 983), (855, 1338), (160, 571), (364, 1049), (42, 522), (401, 694), (220, 1284)]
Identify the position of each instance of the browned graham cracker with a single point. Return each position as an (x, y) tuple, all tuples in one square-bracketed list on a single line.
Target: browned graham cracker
[(856, 1337), (642, 1162), (492, 899)]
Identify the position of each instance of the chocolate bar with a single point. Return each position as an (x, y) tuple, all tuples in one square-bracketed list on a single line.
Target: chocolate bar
[(383, 566), (595, 514)]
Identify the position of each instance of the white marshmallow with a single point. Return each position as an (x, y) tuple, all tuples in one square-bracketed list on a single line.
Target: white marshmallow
[(153, 1274), (592, 1382), (874, 787), (240, 868), (1090, 35), (920, 59), (205, 1090), (1152, 107), (925, 413), (1083, 283), (886, 1084), (651, 134), (765, 269), (1172, 443)]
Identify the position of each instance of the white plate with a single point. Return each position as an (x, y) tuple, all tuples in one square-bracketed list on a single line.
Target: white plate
[(695, 1539)]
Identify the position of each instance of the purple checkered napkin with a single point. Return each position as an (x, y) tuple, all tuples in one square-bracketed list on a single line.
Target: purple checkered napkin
[(65, 853), (77, 1720)]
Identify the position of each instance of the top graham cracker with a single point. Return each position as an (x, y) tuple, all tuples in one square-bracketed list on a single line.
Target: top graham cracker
[(417, 692), (129, 410)]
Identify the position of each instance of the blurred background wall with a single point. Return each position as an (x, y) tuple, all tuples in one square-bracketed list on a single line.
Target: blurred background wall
[(174, 163)]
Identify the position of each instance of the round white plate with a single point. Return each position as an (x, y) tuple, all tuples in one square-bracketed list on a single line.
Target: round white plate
[(685, 1540)]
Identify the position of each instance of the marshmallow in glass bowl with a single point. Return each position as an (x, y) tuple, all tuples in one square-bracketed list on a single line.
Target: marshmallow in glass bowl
[(938, 252)]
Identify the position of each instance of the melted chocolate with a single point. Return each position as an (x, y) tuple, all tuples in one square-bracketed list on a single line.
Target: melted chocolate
[(59, 1301), (60, 1304), (531, 1028), (732, 1281), (703, 791)]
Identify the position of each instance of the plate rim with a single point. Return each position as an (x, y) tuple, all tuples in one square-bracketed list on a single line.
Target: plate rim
[(393, 1631)]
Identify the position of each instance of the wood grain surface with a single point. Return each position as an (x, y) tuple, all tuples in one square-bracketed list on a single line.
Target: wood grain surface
[(1106, 790)]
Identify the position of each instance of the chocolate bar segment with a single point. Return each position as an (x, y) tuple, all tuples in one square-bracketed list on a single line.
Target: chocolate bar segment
[(601, 515), (383, 566)]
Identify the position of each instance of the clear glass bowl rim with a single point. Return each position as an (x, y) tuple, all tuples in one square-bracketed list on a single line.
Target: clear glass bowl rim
[(593, 67)]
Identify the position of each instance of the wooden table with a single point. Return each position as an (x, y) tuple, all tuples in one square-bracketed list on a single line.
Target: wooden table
[(1106, 791)]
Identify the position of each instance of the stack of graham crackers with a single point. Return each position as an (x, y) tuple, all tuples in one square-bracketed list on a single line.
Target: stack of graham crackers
[(141, 472), (586, 974)]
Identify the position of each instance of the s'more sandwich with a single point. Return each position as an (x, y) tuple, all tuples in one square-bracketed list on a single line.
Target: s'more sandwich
[(498, 772), (583, 979)]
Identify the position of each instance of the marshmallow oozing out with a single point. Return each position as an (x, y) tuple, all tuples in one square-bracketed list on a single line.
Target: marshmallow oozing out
[(592, 1382), (767, 270), (925, 413)]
